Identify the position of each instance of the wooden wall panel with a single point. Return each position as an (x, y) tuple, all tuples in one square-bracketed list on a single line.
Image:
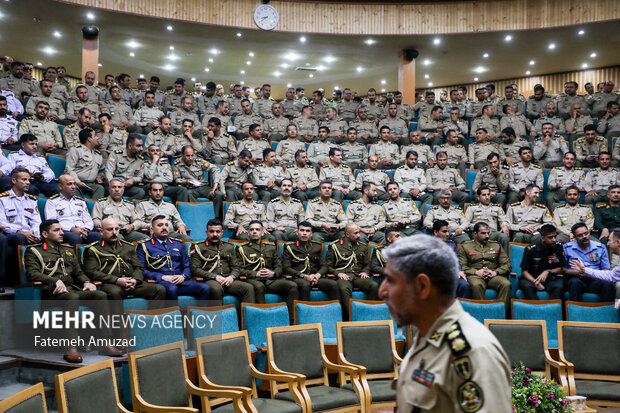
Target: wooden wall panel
[(553, 83), (376, 19)]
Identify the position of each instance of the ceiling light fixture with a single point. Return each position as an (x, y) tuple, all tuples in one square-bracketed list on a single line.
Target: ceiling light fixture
[(528, 72), (310, 75), (480, 69), (427, 76), (359, 68), (581, 32), (551, 46), (593, 55), (436, 41), (132, 54), (370, 42), (251, 54), (210, 60), (307, 64), (171, 48), (248, 63), (57, 34), (336, 87), (207, 69), (584, 65), (98, 64), (285, 65), (141, 77), (430, 83), (90, 16), (41, 64), (383, 90), (169, 67), (320, 67), (289, 85), (193, 79), (169, 28), (426, 62), (132, 44), (291, 56), (48, 50), (475, 79), (214, 51), (532, 62), (383, 82), (242, 82), (277, 74), (243, 72), (302, 39), (329, 59), (173, 57), (508, 38), (239, 34), (485, 55)]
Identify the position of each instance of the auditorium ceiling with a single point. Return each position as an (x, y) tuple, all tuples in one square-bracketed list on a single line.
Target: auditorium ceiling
[(49, 32)]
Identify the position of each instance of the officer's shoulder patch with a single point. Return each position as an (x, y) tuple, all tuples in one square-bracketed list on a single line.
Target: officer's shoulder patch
[(277, 200), (456, 340), (586, 205), (459, 146), (54, 196), (559, 206), (125, 242), (39, 155), (515, 204), (498, 205), (31, 196), (118, 151), (107, 102), (74, 100), (127, 202), (602, 206), (312, 200), (177, 161), (536, 166), (559, 167), (578, 168), (4, 194), (600, 138), (235, 202), (268, 242), (295, 201), (515, 164), (140, 156), (505, 167), (357, 201), (98, 151), (231, 163), (457, 207), (581, 140), (325, 166), (29, 118), (540, 205), (483, 170), (155, 132), (103, 199), (434, 207), (530, 247), (344, 165)]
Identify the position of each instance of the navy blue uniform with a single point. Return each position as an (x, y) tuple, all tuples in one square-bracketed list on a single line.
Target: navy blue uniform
[(168, 257)]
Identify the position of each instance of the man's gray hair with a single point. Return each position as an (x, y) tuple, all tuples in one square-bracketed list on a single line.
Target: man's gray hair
[(425, 254), (121, 180), (616, 233)]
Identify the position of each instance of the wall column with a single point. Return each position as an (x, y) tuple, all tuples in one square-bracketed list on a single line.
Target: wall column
[(90, 53), (406, 77)]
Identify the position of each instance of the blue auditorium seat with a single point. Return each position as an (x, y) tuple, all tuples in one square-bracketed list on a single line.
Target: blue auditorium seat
[(549, 310), (328, 313), (195, 215)]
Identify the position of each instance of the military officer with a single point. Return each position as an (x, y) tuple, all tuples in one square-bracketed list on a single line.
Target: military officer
[(268, 176), (71, 132), (510, 99), (189, 171), (45, 130), (128, 165), (488, 122), (348, 107), (400, 214), (223, 114), (453, 214), (355, 154), (207, 101), (79, 102), (589, 147), (607, 215), (95, 93), (264, 103), (368, 215), (8, 126), (527, 216), (336, 127), (563, 177), (185, 111), (347, 258), (258, 261), (319, 108), (424, 107), (148, 115), (115, 263), (412, 179), (116, 207), (522, 174), (291, 107), (492, 215), (457, 154), (163, 136), (326, 215), (307, 126), (164, 260), (509, 147), (388, 153), (215, 261), (155, 205), (598, 180), (519, 123), (284, 213), (275, 125), (286, 149), (425, 153), (567, 215), (234, 100), (365, 127), (377, 262), (244, 120), (303, 260), (566, 100), (397, 127), (443, 177), (375, 176), (235, 174), (537, 103), (609, 124), (549, 117), (111, 139), (375, 109), (340, 175), (458, 125), (174, 98), (85, 165), (56, 267), (601, 99), (56, 107), (122, 115), (495, 178), (575, 123), (240, 213), (255, 143), (304, 177), (318, 151), (433, 127), (218, 147), (158, 169), (486, 264), (550, 148), (482, 148)]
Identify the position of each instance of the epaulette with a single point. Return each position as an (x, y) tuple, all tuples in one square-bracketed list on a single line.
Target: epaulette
[(530, 247), (499, 205), (581, 140), (268, 242), (177, 161), (483, 170), (103, 199), (344, 165), (325, 166), (39, 155), (118, 151), (598, 206), (457, 207), (70, 126), (312, 167), (127, 202), (586, 205), (434, 207), (31, 196), (107, 102), (155, 132), (600, 138), (535, 165), (541, 205), (315, 242), (54, 196), (357, 201), (578, 168), (164, 160), (74, 100), (276, 199), (459, 146), (78, 145), (313, 200), (29, 118), (4, 194), (456, 340), (295, 200), (515, 164), (515, 204), (235, 202), (559, 206), (505, 167), (231, 163), (559, 167), (140, 156), (98, 151)]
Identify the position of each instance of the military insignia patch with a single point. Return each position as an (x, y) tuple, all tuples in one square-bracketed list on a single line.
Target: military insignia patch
[(470, 397), (456, 340), (423, 377), (462, 366)]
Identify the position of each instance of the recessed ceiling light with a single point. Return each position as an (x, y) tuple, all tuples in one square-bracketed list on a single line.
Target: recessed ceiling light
[(310, 75), (307, 64), (57, 34), (204, 87), (436, 41), (285, 65), (336, 87), (532, 62), (141, 77), (171, 48), (383, 82), (41, 64), (383, 90), (370, 42), (329, 59), (132, 44), (49, 50), (173, 57), (430, 83), (239, 34), (584, 65), (243, 72), (207, 69), (508, 38), (242, 82), (248, 63), (90, 16), (528, 72), (475, 79), (426, 62), (214, 51), (320, 67), (291, 56), (98, 64), (581, 32), (592, 55), (551, 46), (132, 54), (251, 54), (277, 74), (289, 85), (210, 60), (193, 79), (359, 68), (302, 39), (480, 69), (485, 55), (169, 67), (427, 76), (169, 28)]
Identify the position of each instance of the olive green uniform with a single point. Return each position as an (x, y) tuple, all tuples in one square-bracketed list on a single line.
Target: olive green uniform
[(519, 215), (565, 216), (599, 180), (262, 175), (355, 155), (45, 130), (86, 165), (301, 259), (496, 183), (147, 210), (386, 150), (231, 178), (474, 256), (242, 213), (123, 212), (287, 214), (436, 178), (561, 178), (493, 216), (306, 175), (400, 211), (218, 149), (120, 165), (208, 260), (342, 176), (331, 213), (368, 215), (453, 215), (587, 152)]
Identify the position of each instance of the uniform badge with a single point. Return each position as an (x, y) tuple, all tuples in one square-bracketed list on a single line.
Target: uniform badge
[(61, 213), (11, 219), (462, 366), (423, 377), (470, 397)]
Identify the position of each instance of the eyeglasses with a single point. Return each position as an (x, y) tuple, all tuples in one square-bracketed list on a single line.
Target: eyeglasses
[(27, 69)]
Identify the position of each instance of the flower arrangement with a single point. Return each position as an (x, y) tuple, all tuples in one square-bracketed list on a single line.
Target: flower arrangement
[(534, 393)]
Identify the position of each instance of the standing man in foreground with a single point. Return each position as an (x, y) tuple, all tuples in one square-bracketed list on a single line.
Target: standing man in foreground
[(455, 364)]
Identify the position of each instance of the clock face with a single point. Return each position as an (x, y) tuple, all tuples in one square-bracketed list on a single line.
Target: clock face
[(266, 17)]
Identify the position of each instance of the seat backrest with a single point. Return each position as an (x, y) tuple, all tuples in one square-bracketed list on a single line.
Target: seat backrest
[(22, 266), (31, 400), (159, 374), (78, 389), (548, 310), (577, 311), (152, 328), (592, 347), (285, 344), (328, 313), (368, 344), (90, 204), (225, 360), (523, 341), (363, 310), (195, 216), (41, 202), (210, 321), (516, 256), (481, 310), (57, 164), (255, 318)]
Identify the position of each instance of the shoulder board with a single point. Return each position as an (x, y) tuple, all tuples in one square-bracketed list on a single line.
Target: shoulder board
[(484, 169), (442, 145), (581, 140), (530, 247), (357, 201), (119, 151), (125, 242), (435, 207), (515, 204), (39, 155), (314, 200), (31, 196), (515, 164), (603, 206), (236, 202), (459, 146), (295, 201), (268, 243), (457, 207), (177, 161), (559, 167), (505, 167), (586, 205), (231, 163), (559, 206), (456, 340), (536, 165), (541, 205), (92, 244), (498, 205), (54, 196), (155, 132), (103, 199), (140, 156), (29, 118), (108, 102), (70, 126), (276, 200), (308, 166), (98, 151), (74, 100), (164, 160), (4, 194), (127, 202), (578, 168), (344, 165)]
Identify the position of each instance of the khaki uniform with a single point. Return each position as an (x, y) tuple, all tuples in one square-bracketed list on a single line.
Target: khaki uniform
[(262, 175), (577, 124), (178, 116), (60, 92), (207, 104), (243, 121), (558, 124), (474, 110), (565, 216), (550, 155), (520, 176), (208, 260), (519, 123), (400, 211), (231, 178), (301, 259), (319, 151), (366, 127), (56, 107), (331, 213), (242, 213), (147, 210), (456, 154), (45, 130), (225, 121), (599, 180), (368, 215), (519, 215), (120, 165), (162, 173), (567, 178), (114, 140), (460, 127), (185, 174), (537, 107), (255, 146), (286, 149), (511, 150), (468, 369), (587, 153), (263, 106), (478, 153), (306, 127), (276, 126), (18, 86), (352, 260), (172, 101), (218, 149), (491, 125), (354, 155), (379, 178), (341, 176), (75, 105), (599, 102), (428, 125), (71, 135), (157, 137), (120, 112), (291, 108), (453, 215), (412, 178), (398, 127), (405, 112), (437, 178), (109, 261), (423, 108), (610, 127), (564, 103), (253, 256), (424, 153), (287, 214), (144, 115), (86, 166), (319, 110), (306, 175), (336, 125), (174, 144), (374, 110), (496, 183), (348, 109), (494, 216), (447, 107), (123, 212), (159, 98), (386, 150), (503, 102), (474, 256)]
